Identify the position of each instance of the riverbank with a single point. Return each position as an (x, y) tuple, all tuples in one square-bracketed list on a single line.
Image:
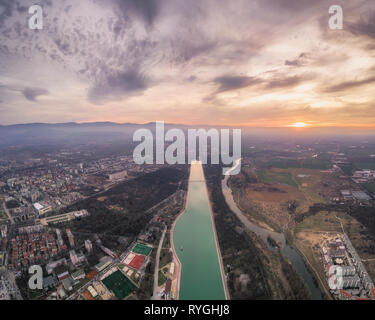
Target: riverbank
[(175, 259), (315, 273), (262, 233), (293, 256), (223, 277)]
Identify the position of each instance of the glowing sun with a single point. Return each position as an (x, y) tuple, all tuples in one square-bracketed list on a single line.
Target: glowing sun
[(298, 125)]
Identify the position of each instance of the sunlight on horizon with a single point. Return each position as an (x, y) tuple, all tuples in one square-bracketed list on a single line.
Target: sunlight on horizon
[(299, 125)]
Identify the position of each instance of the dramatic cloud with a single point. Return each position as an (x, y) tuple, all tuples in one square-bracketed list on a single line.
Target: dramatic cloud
[(365, 26), (145, 9), (256, 62), (298, 62), (115, 86), (6, 9), (350, 85), (288, 82), (31, 94), (227, 83)]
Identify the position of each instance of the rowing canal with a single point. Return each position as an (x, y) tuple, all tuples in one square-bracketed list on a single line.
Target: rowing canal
[(195, 244), (196, 248)]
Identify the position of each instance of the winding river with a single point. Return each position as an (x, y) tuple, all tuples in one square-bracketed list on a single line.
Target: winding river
[(263, 233)]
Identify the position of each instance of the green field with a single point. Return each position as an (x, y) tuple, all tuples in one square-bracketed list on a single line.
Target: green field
[(322, 221), (3, 215), (348, 169), (119, 284), (369, 187), (308, 163), (365, 165), (277, 177), (142, 249), (161, 278)]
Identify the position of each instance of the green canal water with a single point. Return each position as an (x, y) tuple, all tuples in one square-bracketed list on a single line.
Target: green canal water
[(193, 233)]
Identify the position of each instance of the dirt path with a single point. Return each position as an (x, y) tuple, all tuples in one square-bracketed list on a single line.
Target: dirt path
[(155, 295)]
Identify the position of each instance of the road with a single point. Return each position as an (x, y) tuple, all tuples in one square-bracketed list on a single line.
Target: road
[(114, 263), (342, 227), (8, 213), (155, 295), (97, 277)]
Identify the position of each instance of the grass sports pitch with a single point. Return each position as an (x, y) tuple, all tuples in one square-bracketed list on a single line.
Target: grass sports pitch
[(142, 249), (119, 284)]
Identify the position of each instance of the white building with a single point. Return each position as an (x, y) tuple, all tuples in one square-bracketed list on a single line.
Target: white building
[(42, 207), (73, 257), (118, 175), (88, 246), (4, 230)]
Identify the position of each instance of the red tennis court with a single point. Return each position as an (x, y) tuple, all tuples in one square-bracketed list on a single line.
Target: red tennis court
[(137, 261)]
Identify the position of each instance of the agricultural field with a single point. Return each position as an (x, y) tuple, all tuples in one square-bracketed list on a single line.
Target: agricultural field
[(269, 176), (308, 163), (322, 222), (270, 192)]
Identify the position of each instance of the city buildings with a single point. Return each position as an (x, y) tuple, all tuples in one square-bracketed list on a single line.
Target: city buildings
[(42, 208), (118, 175), (346, 276), (3, 230), (73, 257), (70, 237)]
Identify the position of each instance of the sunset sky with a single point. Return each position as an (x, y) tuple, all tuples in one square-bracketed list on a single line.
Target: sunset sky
[(238, 62)]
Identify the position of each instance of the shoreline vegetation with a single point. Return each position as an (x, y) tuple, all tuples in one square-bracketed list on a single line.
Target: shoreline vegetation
[(175, 259), (223, 275)]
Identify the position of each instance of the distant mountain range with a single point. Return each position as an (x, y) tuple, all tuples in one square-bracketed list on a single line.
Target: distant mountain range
[(84, 124), (102, 132), (69, 132)]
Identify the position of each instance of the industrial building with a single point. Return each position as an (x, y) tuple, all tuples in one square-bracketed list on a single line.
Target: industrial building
[(118, 175)]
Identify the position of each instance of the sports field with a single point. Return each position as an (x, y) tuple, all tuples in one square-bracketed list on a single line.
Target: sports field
[(137, 261), (142, 249), (87, 295), (119, 284)]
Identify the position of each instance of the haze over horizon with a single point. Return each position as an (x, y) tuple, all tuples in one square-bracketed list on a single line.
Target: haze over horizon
[(269, 63), (292, 126)]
